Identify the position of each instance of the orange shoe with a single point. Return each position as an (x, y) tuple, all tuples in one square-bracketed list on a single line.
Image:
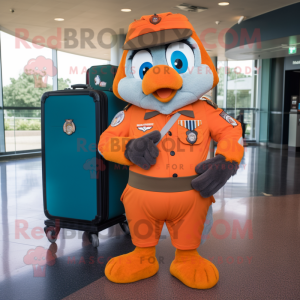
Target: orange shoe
[(193, 270), (139, 264)]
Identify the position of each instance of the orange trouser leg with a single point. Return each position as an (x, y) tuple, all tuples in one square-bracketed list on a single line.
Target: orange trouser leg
[(183, 212)]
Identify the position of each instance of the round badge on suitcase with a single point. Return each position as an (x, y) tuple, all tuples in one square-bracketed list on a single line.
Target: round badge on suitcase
[(69, 127)]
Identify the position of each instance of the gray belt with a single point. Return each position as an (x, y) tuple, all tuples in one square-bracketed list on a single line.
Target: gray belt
[(160, 184)]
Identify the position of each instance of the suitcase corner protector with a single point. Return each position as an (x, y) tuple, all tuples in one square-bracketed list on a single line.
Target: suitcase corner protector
[(44, 97), (95, 96), (97, 220), (47, 214)]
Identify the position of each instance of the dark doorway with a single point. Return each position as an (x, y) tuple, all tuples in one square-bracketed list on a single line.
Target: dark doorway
[(292, 88)]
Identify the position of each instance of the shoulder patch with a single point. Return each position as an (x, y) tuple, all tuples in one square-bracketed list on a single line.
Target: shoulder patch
[(127, 106), (208, 101), (118, 118), (228, 119)]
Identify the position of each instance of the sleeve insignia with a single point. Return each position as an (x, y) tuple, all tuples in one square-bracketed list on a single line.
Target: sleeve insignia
[(228, 119), (118, 119)]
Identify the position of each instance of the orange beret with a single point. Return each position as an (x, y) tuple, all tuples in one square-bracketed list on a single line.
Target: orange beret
[(154, 30)]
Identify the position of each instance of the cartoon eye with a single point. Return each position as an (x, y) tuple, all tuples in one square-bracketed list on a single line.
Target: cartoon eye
[(35, 258), (180, 57), (141, 63)]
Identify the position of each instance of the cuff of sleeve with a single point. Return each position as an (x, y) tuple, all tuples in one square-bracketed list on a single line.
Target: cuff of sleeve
[(232, 150)]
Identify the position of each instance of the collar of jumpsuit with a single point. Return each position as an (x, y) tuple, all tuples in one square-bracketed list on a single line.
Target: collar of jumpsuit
[(186, 111)]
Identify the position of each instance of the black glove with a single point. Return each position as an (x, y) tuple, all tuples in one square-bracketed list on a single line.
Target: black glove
[(143, 151), (214, 173)]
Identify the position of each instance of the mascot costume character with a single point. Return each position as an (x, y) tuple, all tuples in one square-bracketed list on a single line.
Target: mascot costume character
[(163, 135)]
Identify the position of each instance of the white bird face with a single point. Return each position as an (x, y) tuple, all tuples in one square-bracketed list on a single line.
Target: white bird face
[(165, 78)]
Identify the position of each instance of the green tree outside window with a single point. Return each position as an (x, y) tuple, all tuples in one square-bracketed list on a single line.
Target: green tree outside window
[(22, 93)]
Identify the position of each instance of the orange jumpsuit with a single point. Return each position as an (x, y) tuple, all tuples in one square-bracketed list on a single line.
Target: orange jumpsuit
[(183, 212)]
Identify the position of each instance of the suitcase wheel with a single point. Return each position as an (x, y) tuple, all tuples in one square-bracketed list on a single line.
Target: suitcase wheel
[(51, 234), (125, 227), (93, 238)]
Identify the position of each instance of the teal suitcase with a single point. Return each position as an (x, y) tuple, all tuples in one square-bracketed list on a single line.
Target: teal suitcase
[(81, 190)]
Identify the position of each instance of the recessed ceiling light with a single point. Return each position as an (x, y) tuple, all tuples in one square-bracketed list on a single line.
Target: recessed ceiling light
[(59, 19), (223, 3), (125, 9)]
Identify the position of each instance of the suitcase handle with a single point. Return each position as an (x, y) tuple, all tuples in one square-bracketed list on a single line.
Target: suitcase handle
[(81, 86)]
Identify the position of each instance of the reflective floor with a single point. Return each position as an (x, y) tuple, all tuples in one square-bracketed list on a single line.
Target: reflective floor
[(254, 242)]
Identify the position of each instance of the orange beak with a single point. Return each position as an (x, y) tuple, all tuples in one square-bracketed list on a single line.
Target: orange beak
[(162, 82)]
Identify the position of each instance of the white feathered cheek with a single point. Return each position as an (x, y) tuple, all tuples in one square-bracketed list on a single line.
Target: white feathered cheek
[(130, 90), (199, 81)]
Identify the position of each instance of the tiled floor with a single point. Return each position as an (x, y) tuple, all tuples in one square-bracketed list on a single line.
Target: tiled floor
[(261, 262)]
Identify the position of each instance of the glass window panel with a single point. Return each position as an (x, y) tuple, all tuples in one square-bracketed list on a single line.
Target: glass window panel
[(241, 92), (72, 68), (27, 72), (240, 84), (22, 130)]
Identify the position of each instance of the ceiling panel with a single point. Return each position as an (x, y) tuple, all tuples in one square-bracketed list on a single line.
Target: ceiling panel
[(37, 16)]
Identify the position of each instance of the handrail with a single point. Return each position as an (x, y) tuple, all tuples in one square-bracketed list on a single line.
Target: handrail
[(239, 108), (21, 108)]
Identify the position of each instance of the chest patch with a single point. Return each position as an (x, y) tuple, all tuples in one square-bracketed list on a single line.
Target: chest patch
[(228, 119), (144, 127), (190, 124), (118, 118)]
